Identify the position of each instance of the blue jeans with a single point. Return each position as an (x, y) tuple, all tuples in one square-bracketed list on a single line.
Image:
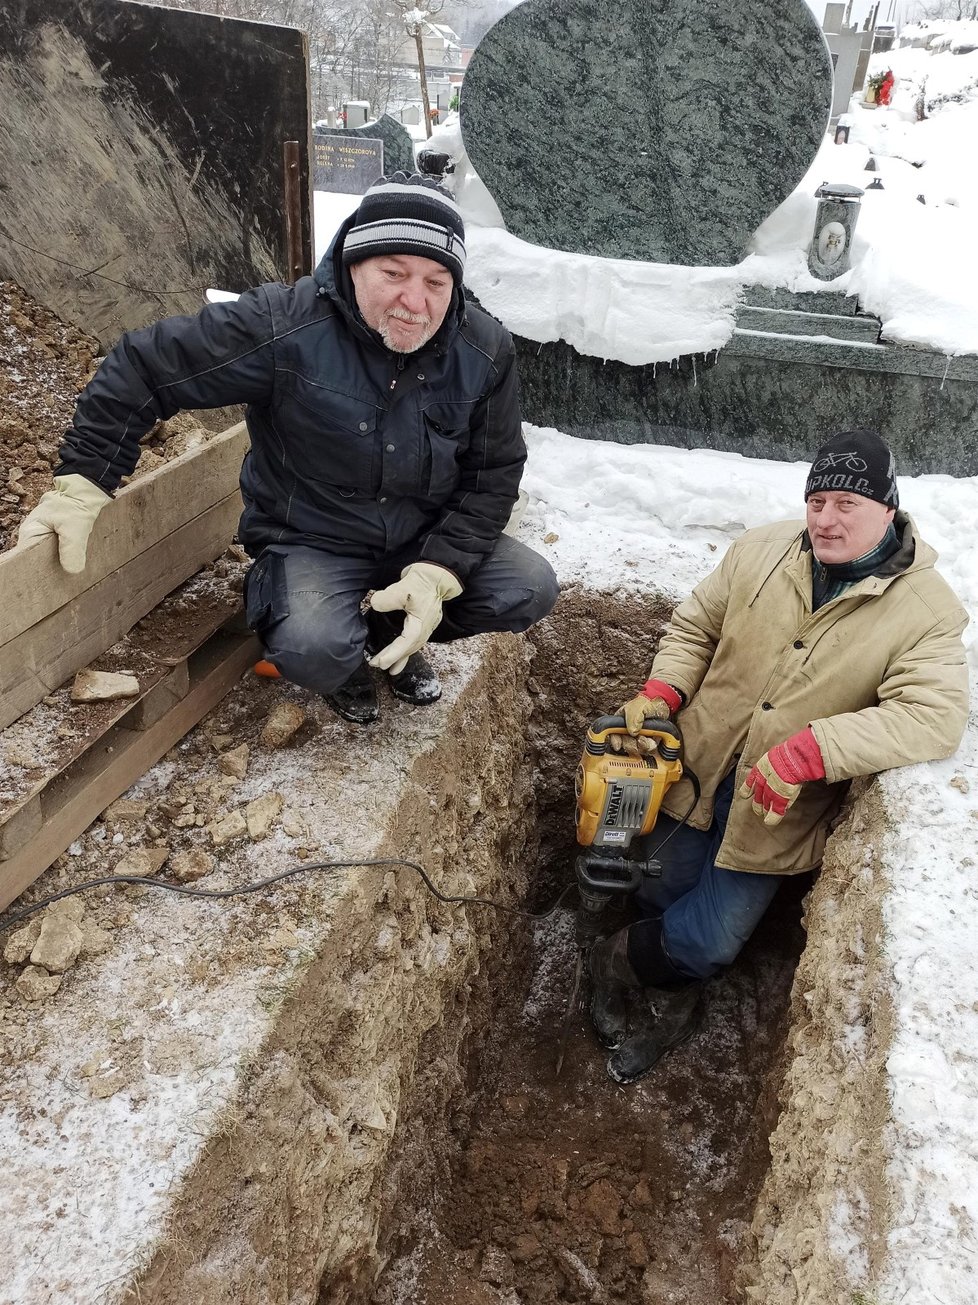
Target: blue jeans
[(708, 913), (304, 604)]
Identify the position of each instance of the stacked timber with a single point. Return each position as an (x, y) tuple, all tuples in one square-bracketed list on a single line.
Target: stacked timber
[(155, 534)]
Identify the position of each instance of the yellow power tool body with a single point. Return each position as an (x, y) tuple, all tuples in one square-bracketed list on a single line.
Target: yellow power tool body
[(618, 798)]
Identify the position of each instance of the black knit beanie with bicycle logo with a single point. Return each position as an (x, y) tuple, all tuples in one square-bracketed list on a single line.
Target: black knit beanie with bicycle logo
[(855, 462)]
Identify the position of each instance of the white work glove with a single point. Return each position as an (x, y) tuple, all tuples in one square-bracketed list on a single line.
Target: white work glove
[(419, 593), (68, 511)]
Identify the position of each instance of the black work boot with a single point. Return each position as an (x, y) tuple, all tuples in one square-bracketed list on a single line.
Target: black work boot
[(356, 700), (417, 683), (611, 978), (674, 1017)]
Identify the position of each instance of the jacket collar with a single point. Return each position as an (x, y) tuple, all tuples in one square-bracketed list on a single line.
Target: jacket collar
[(335, 283)]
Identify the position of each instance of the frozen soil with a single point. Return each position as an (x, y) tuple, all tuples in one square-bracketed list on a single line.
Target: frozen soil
[(576, 1189), (44, 365)]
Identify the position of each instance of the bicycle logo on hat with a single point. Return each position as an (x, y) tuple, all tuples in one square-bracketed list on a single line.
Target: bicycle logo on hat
[(851, 461)]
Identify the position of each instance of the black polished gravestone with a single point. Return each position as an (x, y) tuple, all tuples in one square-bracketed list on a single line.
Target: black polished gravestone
[(398, 142), (659, 130), (344, 163), (143, 157)]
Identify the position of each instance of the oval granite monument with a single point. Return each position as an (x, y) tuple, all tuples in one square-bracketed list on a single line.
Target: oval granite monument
[(660, 130)]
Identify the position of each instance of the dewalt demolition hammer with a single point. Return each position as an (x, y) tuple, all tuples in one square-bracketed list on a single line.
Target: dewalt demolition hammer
[(618, 799), (619, 795)]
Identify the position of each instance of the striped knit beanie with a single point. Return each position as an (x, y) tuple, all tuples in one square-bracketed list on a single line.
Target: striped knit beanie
[(408, 215)]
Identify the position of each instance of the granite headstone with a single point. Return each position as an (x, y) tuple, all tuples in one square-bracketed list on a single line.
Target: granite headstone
[(647, 129), (346, 163), (398, 143)]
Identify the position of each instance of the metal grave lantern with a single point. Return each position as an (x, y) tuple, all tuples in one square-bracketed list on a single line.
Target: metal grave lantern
[(835, 222)]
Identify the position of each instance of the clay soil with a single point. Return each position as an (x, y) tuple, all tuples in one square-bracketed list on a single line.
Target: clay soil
[(577, 1189), (44, 365)]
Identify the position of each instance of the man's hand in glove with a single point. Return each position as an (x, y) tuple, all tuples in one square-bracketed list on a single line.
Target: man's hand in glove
[(68, 511), (419, 593), (776, 780), (657, 701)]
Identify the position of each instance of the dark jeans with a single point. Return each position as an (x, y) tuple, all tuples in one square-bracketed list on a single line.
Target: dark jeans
[(304, 604), (707, 913)]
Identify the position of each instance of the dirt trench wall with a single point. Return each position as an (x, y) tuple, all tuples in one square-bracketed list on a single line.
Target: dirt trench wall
[(821, 1221), (369, 1040)]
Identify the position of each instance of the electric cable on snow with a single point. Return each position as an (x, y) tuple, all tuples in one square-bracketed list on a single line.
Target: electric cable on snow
[(257, 885)]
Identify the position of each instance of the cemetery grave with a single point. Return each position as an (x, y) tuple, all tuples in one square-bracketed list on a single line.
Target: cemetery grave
[(341, 1089)]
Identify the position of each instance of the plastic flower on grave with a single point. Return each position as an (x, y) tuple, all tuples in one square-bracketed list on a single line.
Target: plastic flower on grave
[(886, 87)]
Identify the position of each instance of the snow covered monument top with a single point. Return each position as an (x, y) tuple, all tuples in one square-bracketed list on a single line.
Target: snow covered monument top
[(662, 130)]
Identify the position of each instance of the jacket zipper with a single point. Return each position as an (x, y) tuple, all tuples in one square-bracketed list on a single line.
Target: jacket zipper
[(397, 373)]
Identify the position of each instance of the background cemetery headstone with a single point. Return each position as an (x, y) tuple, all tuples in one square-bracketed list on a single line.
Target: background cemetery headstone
[(346, 163), (640, 150), (398, 143), (356, 112)]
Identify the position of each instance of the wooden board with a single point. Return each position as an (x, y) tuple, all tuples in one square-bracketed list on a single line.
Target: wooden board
[(32, 583), (36, 661), (84, 790), (163, 682)]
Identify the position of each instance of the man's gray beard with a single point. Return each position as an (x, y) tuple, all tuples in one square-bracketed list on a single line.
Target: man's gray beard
[(385, 335)]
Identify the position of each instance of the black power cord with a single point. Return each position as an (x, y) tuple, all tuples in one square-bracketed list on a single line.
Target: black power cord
[(257, 885)]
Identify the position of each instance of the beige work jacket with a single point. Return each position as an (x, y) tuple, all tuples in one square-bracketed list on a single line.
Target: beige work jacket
[(879, 673)]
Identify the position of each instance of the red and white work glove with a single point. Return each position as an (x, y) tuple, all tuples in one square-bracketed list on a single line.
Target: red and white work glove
[(419, 593), (776, 780), (656, 701)]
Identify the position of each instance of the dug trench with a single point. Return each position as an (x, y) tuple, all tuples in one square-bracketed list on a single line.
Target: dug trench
[(343, 1089), (525, 1187)]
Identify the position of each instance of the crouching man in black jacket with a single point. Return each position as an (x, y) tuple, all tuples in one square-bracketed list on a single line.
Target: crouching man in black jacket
[(386, 451)]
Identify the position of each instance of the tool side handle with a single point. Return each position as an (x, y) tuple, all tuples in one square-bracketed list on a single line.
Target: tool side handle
[(604, 723)]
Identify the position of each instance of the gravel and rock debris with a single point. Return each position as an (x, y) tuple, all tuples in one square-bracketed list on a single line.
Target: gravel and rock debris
[(45, 363)]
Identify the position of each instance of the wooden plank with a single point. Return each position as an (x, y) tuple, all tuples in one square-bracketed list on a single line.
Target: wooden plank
[(21, 826), (104, 773), (162, 697), (32, 583), (163, 681), (34, 663)]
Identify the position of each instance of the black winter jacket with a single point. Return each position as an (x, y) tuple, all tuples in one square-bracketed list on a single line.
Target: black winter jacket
[(354, 449)]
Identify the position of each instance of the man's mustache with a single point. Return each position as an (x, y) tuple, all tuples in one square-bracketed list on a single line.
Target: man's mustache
[(403, 315)]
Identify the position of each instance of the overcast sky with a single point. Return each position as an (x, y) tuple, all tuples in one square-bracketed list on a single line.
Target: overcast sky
[(890, 10)]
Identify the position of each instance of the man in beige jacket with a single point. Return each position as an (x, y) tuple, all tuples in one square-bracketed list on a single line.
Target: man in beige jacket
[(809, 656)]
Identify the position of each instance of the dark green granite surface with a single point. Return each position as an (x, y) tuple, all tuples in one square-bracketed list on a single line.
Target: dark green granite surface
[(764, 397), (663, 130), (398, 143)]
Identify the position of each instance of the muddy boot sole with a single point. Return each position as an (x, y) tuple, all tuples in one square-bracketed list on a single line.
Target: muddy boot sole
[(610, 977), (356, 700)]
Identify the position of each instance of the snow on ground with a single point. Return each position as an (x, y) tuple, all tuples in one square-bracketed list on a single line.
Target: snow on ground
[(634, 515)]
